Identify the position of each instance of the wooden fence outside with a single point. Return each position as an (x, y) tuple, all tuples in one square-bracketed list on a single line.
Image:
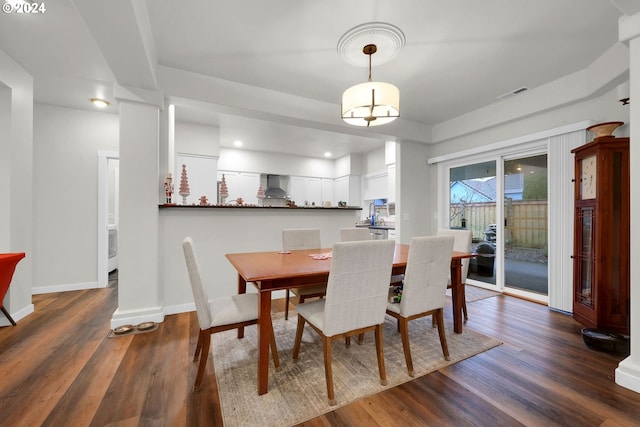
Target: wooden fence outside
[(527, 221)]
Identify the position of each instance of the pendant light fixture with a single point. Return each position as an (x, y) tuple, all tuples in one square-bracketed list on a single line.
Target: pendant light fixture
[(371, 103)]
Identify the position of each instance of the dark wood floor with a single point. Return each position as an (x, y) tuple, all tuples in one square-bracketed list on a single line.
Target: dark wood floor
[(58, 368)]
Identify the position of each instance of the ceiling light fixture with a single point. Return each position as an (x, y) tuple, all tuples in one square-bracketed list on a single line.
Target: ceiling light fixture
[(100, 103), (371, 103)]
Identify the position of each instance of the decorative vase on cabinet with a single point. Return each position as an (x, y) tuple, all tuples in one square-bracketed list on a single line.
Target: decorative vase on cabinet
[(601, 287)]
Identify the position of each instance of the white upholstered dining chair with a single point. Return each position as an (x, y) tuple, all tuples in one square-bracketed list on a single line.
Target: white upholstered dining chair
[(355, 302), (424, 290), (217, 315), (299, 239), (462, 243), (353, 234)]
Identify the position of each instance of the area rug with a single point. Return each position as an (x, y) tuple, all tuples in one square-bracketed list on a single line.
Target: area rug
[(475, 293), (298, 391)]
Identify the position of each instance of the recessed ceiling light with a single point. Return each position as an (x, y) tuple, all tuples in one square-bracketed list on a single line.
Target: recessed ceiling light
[(237, 143), (327, 154), (100, 103)]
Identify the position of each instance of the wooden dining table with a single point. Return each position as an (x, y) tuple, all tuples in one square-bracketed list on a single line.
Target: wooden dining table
[(273, 270)]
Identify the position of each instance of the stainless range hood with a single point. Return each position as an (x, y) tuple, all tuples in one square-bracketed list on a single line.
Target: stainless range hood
[(274, 190)]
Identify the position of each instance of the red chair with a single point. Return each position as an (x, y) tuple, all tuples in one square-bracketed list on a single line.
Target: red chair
[(8, 264)]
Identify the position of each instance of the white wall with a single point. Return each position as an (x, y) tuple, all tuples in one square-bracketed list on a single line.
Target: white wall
[(272, 163), (197, 139), (374, 162), (220, 231), (66, 143), (16, 160), (604, 108), (414, 202)]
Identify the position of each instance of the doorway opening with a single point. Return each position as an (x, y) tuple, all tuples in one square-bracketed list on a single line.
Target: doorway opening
[(108, 216)]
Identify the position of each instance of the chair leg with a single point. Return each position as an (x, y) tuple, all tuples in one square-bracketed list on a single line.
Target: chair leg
[(204, 356), (380, 354), (6, 313), (404, 333), (274, 348), (443, 339), (328, 370), (464, 302), (286, 306), (298, 339), (198, 347)]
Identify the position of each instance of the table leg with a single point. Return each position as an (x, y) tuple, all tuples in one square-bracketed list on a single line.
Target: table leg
[(456, 294), (264, 337), (242, 289)]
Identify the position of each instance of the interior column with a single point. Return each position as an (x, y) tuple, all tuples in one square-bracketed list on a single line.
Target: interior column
[(628, 372), (139, 292)]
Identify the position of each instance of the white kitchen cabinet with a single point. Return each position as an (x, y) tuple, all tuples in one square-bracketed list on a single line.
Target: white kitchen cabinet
[(296, 190), (313, 191), (341, 190), (347, 189), (240, 184), (375, 186), (327, 191), (391, 183), (305, 189)]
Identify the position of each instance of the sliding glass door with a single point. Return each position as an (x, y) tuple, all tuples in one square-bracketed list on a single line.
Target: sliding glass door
[(472, 206), (525, 237), (504, 203)]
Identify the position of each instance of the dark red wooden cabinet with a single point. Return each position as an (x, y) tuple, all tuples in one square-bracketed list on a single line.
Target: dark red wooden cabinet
[(601, 235)]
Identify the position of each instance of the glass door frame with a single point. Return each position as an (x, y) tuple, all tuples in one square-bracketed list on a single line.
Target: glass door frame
[(534, 148), (511, 290)]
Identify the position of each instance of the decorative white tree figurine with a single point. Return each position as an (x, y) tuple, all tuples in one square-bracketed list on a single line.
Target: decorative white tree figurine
[(260, 195), (224, 191), (184, 185)]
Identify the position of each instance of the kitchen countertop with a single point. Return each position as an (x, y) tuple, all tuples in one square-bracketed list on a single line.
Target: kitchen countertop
[(309, 208), (377, 227)]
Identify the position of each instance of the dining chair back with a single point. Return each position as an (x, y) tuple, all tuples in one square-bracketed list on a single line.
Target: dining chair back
[(424, 288), (220, 314), (352, 234), (357, 289), (355, 302), (300, 239), (426, 274), (462, 243)]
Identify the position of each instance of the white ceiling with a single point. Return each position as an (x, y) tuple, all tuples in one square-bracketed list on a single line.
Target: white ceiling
[(459, 55)]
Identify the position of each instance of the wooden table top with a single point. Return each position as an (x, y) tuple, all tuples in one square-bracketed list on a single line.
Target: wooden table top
[(273, 265)]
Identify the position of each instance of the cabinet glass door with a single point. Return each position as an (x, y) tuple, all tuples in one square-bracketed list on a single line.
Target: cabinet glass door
[(585, 257)]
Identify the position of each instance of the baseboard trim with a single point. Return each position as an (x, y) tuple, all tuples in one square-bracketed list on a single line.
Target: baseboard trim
[(628, 375), (64, 288), (17, 316), (180, 308), (135, 317)]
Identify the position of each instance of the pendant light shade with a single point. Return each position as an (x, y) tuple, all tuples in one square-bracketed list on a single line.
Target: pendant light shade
[(370, 103)]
